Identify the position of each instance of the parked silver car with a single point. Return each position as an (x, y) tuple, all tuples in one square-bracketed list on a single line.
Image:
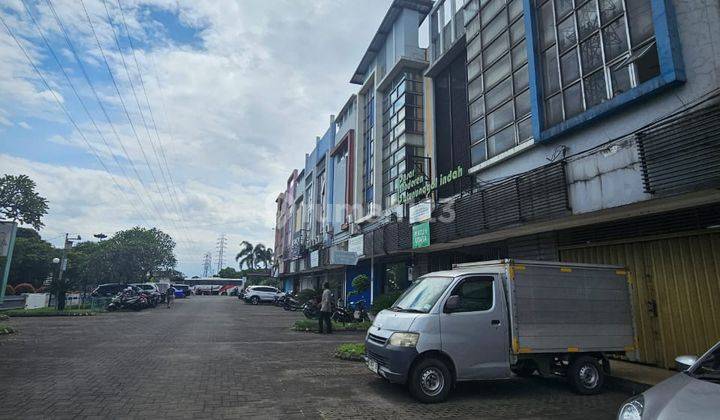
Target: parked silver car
[(692, 394), (257, 294)]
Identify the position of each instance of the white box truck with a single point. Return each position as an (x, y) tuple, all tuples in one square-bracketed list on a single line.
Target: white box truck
[(497, 319)]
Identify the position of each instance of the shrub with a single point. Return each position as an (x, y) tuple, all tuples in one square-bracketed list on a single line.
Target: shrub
[(384, 301), (350, 351), (9, 290), (24, 288), (307, 295)]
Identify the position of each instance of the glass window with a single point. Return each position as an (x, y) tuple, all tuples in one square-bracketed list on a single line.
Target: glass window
[(497, 71), (640, 21), (547, 28), (566, 34), (501, 142), (563, 7), (476, 294), (595, 91), (477, 131), (569, 68), (492, 30), (517, 31), (504, 75), (525, 130), (522, 104), (500, 117), (615, 40), (587, 19), (593, 41), (550, 75), (477, 109), (422, 294), (573, 100), (620, 80), (478, 153), (498, 47), (499, 94), (610, 9)]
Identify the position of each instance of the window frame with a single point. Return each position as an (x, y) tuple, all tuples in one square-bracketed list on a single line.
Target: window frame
[(470, 277), (671, 74)]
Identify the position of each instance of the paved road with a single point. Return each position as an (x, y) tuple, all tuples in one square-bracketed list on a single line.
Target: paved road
[(214, 357)]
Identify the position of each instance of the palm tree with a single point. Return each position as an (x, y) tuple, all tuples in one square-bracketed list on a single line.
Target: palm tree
[(263, 255), (246, 256)]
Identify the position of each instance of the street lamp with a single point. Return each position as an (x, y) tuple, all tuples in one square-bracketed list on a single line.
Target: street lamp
[(63, 264)]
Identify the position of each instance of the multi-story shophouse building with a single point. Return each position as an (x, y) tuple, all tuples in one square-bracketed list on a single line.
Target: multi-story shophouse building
[(589, 134), (566, 130)]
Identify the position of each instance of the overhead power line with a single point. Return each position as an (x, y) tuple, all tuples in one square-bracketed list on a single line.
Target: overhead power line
[(92, 88), (173, 198), (60, 104)]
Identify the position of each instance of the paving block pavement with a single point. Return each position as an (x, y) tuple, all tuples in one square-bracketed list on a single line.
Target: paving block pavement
[(216, 357)]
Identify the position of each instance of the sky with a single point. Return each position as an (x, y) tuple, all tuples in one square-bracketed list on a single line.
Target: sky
[(218, 102)]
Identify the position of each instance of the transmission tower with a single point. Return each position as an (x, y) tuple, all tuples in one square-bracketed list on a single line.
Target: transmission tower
[(207, 264), (221, 242)]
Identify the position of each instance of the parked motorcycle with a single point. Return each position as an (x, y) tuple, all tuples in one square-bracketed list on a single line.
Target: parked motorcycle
[(359, 312), (311, 310), (291, 304), (342, 314), (128, 300)]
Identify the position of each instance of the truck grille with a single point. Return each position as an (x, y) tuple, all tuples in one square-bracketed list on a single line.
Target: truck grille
[(381, 360), (376, 339)]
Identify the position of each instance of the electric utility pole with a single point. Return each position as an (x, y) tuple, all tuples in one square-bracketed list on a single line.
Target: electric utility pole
[(221, 242)]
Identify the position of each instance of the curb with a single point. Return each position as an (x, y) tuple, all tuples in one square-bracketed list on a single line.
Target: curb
[(626, 385)]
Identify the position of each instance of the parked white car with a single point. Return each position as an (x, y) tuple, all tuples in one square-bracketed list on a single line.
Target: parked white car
[(257, 294)]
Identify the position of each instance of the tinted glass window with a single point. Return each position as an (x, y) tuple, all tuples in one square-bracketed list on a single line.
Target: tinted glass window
[(476, 294)]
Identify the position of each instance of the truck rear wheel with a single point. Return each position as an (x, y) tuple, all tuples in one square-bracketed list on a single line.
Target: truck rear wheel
[(586, 375), (430, 381)]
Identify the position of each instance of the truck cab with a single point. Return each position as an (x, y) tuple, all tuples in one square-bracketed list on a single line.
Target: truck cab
[(466, 324)]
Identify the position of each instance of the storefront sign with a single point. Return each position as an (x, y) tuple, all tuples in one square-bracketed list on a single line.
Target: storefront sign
[(420, 212), (340, 257), (421, 235), (315, 258), (413, 184), (356, 244)]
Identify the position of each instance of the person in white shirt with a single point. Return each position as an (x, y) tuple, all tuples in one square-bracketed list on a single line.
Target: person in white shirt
[(326, 309)]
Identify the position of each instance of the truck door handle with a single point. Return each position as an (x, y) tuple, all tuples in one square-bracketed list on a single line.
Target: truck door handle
[(495, 322)]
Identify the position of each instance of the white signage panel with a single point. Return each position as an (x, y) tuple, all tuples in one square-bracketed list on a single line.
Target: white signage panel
[(420, 212), (356, 244), (314, 258)]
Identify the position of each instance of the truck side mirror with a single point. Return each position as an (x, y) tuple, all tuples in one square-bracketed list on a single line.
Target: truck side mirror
[(684, 363), (452, 304)]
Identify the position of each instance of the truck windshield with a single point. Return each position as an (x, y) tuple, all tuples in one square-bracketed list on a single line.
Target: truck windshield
[(422, 294)]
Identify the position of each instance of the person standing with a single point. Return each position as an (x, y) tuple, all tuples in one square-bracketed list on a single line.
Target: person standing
[(170, 296), (326, 308)]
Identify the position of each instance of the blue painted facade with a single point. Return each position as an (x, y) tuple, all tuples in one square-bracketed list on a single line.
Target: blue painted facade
[(350, 273)]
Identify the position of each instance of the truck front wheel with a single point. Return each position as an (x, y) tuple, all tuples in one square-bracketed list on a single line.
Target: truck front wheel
[(586, 375), (430, 381)]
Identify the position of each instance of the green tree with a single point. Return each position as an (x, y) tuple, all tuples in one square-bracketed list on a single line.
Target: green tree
[(20, 202), (133, 255), (32, 259), (229, 273), (246, 256), (262, 255)]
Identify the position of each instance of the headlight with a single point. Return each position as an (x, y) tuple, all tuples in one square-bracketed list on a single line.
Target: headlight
[(632, 409), (404, 339)]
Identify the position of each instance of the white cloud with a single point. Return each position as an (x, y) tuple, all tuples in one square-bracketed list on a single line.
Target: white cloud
[(23, 124), (234, 115)]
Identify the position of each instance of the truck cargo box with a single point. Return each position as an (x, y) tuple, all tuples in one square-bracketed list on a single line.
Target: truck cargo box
[(560, 307)]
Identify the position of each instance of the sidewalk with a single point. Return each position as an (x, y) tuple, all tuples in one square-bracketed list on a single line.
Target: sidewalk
[(634, 377)]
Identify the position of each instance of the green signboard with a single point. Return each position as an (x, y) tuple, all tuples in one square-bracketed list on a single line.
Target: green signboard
[(421, 235)]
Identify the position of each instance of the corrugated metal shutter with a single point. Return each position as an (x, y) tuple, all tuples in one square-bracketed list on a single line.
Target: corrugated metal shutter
[(676, 291)]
